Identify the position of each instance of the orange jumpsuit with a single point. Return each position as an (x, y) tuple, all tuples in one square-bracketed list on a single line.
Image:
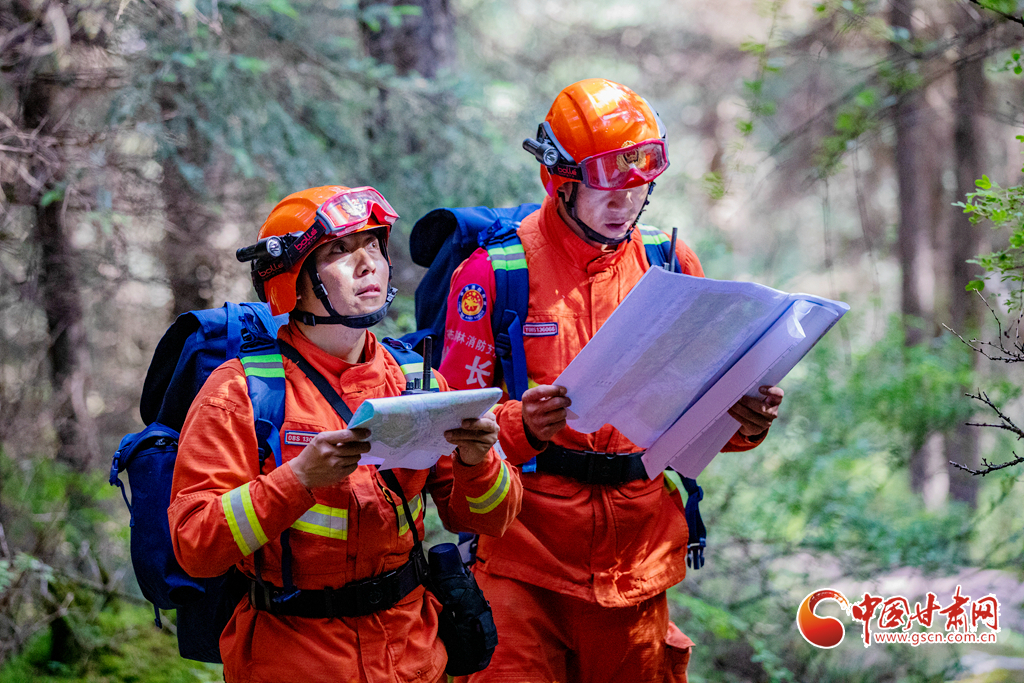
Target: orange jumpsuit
[(338, 534), (613, 547)]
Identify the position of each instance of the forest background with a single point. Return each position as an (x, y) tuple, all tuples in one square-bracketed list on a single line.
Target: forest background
[(816, 146)]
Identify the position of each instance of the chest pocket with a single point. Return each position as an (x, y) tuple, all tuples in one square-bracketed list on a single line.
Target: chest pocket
[(550, 342)]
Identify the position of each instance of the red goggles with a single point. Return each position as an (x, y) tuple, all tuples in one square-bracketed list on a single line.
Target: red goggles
[(353, 207), (627, 167), (350, 209)]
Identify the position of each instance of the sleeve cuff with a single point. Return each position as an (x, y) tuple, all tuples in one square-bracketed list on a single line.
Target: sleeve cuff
[(512, 437), (284, 484), (739, 442)]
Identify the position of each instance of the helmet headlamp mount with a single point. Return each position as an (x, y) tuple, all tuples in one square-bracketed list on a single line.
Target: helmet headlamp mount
[(549, 151)]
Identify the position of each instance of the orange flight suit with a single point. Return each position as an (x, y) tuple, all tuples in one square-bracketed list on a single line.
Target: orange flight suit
[(616, 547), (338, 534)]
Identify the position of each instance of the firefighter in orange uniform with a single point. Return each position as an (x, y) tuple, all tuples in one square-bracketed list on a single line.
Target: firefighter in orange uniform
[(310, 616), (577, 584)]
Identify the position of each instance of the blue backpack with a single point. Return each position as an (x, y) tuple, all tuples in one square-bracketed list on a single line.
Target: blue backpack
[(443, 239), (194, 346)]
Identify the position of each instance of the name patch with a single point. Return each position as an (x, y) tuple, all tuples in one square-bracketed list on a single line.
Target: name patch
[(540, 329), (472, 303), (298, 438)]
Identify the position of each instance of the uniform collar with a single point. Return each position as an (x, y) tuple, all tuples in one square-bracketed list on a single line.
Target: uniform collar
[(333, 367), (571, 246)]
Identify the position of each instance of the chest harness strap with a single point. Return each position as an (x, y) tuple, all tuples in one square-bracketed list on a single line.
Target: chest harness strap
[(356, 598)]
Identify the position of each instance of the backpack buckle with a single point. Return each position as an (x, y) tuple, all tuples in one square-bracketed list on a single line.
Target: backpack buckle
[(695, 554), (260, 596), (502, 345), (254, 337)]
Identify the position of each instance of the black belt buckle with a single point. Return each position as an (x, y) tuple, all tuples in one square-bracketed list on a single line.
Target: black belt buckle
[(376, 594), (603, 468)]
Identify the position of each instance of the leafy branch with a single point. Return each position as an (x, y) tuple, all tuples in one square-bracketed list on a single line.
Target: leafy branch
[(995, 10)]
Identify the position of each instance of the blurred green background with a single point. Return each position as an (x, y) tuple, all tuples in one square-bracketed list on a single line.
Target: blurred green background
[(818, 147)]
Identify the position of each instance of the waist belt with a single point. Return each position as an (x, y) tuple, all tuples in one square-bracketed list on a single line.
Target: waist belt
[(591, 467), (354, 599)]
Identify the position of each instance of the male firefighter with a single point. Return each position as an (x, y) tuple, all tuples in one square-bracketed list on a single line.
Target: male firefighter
[(577, 584)]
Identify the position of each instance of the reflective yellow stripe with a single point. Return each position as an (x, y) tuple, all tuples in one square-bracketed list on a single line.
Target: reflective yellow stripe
[(416, 507), (264, 372), (672, 481), (490, 500), (411, 370), (268, 358), (269, 365), (324, 521), (651, 235), (507, 258), (241, 517)]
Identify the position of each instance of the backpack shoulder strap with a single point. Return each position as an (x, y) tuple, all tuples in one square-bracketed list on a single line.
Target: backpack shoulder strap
[(264, 376), (656, 245), (512, 298), (261, 360)]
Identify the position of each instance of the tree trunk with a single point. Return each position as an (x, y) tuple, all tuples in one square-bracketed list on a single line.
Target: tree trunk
[(966, 242), (187, 258), (422, 44), (913, 241), (68, 349)]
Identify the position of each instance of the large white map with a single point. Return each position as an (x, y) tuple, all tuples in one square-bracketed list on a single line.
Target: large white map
[(408, 431), (679, 351)]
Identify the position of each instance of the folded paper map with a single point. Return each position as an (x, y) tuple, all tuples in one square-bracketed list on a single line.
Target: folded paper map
[(408, 431), (679, 351)]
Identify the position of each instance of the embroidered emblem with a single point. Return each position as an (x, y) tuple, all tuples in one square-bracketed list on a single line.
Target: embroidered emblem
[(472, 303), (298, 438), (540, 329)]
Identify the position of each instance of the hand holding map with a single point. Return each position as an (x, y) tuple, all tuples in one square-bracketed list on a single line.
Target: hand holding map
[(408, 431), (696, 346)]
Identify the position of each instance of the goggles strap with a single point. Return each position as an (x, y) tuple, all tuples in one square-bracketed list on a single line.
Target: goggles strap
[(309, 265), (358, 322), (647, 200), (592, 234)]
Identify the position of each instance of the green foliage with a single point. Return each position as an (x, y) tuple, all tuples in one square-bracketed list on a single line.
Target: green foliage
[(1004, 7), (127, 648), (1004, 209), (759, 105), (826, 501), (1013, 63), (49, 565), (374, 15), (853, 119)]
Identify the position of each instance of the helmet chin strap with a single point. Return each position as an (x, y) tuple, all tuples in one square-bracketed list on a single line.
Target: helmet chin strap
[(358, 322), (594, 235)]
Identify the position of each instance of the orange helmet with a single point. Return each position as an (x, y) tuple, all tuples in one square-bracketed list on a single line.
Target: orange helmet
[(602, 134), (299, 224)]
